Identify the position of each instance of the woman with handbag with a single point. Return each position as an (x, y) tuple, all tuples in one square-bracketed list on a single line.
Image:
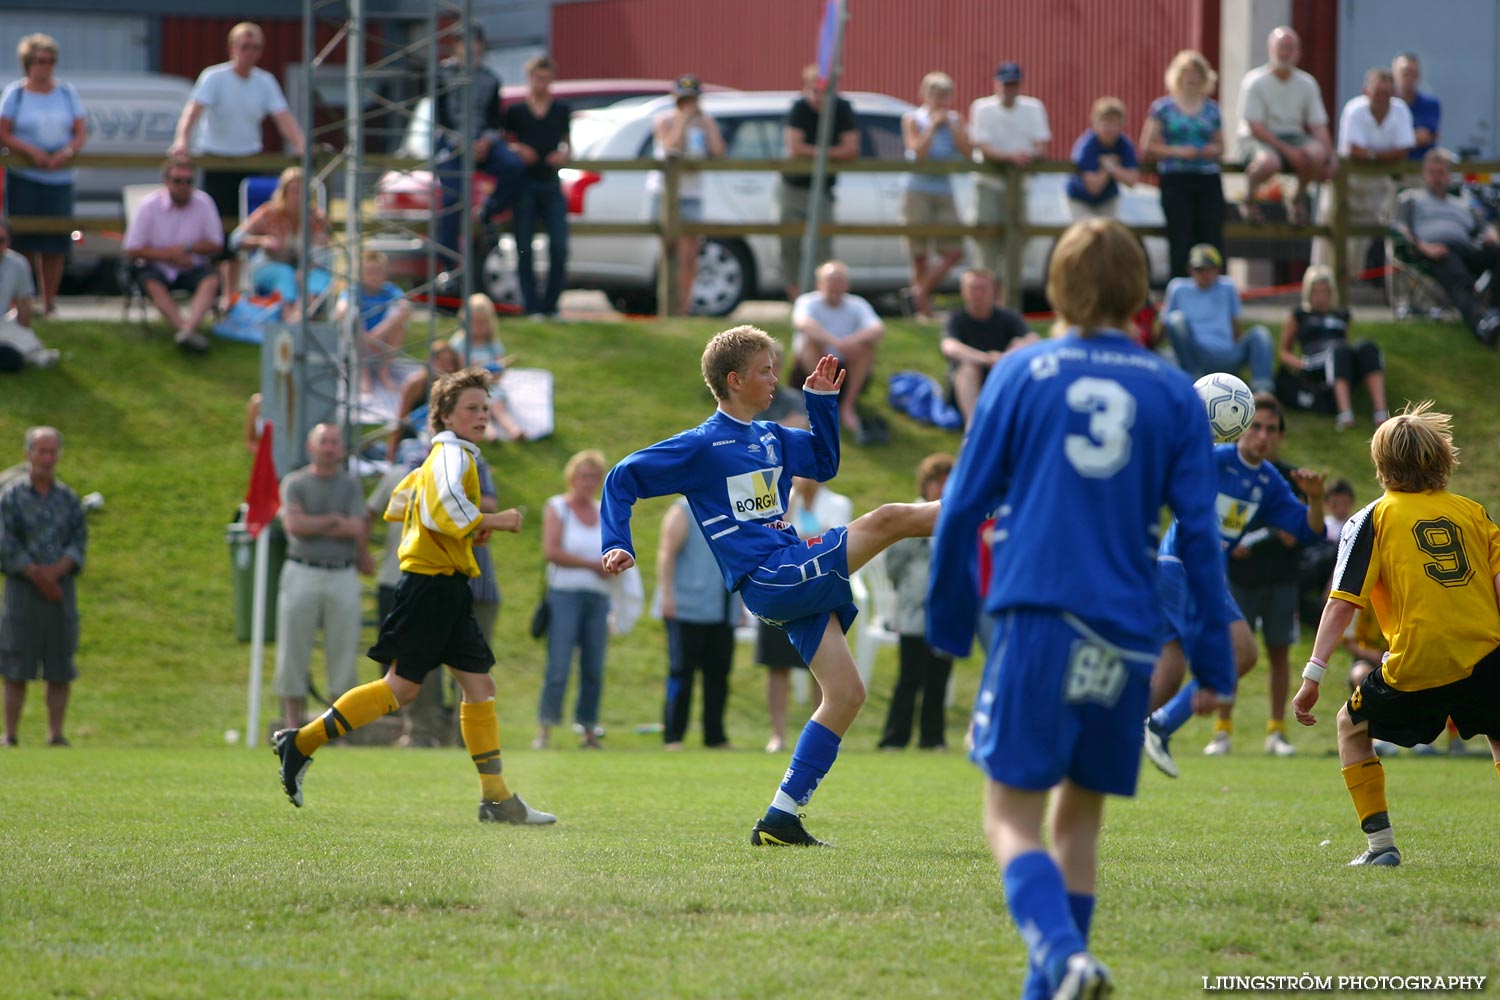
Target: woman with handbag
[(577, 600)]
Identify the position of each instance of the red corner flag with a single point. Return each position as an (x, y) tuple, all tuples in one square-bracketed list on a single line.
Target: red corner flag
[(263, 499)]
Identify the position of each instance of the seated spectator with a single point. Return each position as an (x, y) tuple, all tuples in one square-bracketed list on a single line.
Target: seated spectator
[(1283, 124), (976, 336), (1201, 317), (1322, 331), (933, 131), (923, 670), (830, 320), (1426, 110), (411, 407), (479, 345), (1104, 159), (274, 232), (172, 241), (384, 315), (19, 346), (1456, 242)]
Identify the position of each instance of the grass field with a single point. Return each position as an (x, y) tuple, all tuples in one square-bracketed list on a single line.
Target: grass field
[(152, 860)]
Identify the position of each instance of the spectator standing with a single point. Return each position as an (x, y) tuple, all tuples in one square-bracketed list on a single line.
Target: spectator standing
[(1104, 159), (1321, 330), (800, 139), (43, 539), (327, 546), (924, 671), (830, 320), (1426, 110), (1184, 134), (231, 99), (1457, 243), (578, 597), (1374, 127), (1283, 124), (684, 132), (41, 120), (19, 344), (1201, 316), (173, 239), (273, 232), (384, 314), (700, 616), (933, 131), (977, 336), (1007, 128), (538, 129)]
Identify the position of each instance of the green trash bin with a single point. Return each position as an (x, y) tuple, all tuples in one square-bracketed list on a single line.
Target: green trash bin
[(242, 575)]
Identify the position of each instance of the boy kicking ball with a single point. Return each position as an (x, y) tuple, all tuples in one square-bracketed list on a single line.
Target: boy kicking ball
[(736, 473), (432, 621)]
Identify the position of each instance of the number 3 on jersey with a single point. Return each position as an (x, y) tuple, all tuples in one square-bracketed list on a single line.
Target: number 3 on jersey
[(1105, 449)]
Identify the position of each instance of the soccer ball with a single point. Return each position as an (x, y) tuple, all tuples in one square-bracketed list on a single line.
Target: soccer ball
[(1229, 405)]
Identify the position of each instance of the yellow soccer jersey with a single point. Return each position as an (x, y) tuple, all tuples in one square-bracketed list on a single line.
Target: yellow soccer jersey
[(438, 505), (1426, 563)]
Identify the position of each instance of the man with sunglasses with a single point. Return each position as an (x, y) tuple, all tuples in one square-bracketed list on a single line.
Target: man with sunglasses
[(171, 241)]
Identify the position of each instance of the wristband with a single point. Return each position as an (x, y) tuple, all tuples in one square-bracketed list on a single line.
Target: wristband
[(1314, 672), (1320, 662)]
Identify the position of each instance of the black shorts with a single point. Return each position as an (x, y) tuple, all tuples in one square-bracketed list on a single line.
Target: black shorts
[(432, 623), (223, 186), (1407, 718), (773, 648), (186, 281)]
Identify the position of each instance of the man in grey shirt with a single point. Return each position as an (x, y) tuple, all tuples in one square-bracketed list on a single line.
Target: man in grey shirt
[(322, 510), (1454, 239)]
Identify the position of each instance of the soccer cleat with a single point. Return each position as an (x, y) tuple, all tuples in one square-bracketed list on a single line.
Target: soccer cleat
[(789, 834), (1157, 752), (1218, 746), (294, 763), (1386, 857), (1277, 745), (514, 811), (1086, 979)]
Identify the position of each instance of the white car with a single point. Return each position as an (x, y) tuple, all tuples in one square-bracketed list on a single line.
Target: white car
[(731, 270)]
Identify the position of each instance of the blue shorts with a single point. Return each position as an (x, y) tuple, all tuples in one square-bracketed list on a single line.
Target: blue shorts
[(1059, 701), (1179, 607), (797, 588)]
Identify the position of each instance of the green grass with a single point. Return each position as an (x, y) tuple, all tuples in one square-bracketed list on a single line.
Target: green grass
[(153, 861)]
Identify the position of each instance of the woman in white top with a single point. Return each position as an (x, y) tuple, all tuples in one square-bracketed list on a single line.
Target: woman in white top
[(685, 132), (578, 599)]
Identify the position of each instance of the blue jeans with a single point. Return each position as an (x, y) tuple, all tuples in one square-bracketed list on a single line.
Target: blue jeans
[(502, 164), (579, 620), (542, 199), (1253, 349)]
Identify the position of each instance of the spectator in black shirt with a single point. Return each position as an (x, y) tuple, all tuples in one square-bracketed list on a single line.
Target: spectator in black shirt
[(801, 139), (977, 336), (538, 129)]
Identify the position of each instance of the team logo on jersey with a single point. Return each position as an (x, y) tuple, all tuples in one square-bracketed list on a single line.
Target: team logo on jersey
[(755, 496), (1235, 515), (1044, 366), (770, 452)]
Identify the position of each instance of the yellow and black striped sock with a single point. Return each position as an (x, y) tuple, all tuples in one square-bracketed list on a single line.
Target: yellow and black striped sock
[(1366, 783), (481, 732), (354, 708)]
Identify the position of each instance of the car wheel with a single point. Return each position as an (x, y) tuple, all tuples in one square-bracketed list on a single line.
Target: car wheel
[(500, 279), (726, 277)]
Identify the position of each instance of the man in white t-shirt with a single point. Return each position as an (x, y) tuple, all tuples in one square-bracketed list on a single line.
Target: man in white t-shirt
[(1283, 124), (1008, 127), (832, 321), (1375, 127)]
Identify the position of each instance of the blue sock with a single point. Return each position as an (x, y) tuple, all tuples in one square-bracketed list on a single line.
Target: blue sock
[(1171, 716), (1039, 904), (1082, 908), (816, 749)]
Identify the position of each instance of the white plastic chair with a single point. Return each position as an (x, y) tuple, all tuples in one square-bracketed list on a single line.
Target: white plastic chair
[(876, 599)]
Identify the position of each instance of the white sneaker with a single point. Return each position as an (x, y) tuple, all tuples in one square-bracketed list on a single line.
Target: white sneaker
[(1158, 753), (1086, 979), (1218, 746), (1279, 746)]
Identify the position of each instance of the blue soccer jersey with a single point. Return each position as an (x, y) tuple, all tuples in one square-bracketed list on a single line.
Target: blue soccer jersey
[(1076, 445), (1250, 497), (736, 477)]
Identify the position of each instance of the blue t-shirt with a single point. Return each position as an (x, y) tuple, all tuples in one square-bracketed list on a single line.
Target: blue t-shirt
[(1086, 155), (373, 305), (1426, 112), (45, 121), (1178, 128), (736, 477), (1075, 446), (1210, 311)]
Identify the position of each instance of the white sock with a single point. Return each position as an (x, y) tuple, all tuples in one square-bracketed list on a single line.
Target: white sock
[(1381, 839), (784, 802)]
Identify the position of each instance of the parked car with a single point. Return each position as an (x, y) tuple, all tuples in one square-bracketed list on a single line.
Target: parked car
[(732, 269)]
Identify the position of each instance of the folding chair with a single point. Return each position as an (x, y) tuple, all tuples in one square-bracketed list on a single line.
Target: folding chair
[(135, 299), (1410, 288)]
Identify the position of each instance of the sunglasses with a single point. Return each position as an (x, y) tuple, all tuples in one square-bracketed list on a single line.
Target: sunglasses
[(179, 180)]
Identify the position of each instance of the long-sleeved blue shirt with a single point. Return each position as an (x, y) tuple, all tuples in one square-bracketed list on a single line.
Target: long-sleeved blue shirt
[(1248, 498), (736, 476)]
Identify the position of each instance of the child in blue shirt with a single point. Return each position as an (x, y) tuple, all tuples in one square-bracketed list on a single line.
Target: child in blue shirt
[(384, 314), (736, 473), (1105, 159)]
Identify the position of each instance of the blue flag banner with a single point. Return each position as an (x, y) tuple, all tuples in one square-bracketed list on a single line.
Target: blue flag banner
[(827, 33)]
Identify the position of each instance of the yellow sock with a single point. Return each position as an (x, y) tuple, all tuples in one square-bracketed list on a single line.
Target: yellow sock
[(1225, 726), (1366, 783), (357, 707), (1275, 726), (1497, 768), (481, 732)]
